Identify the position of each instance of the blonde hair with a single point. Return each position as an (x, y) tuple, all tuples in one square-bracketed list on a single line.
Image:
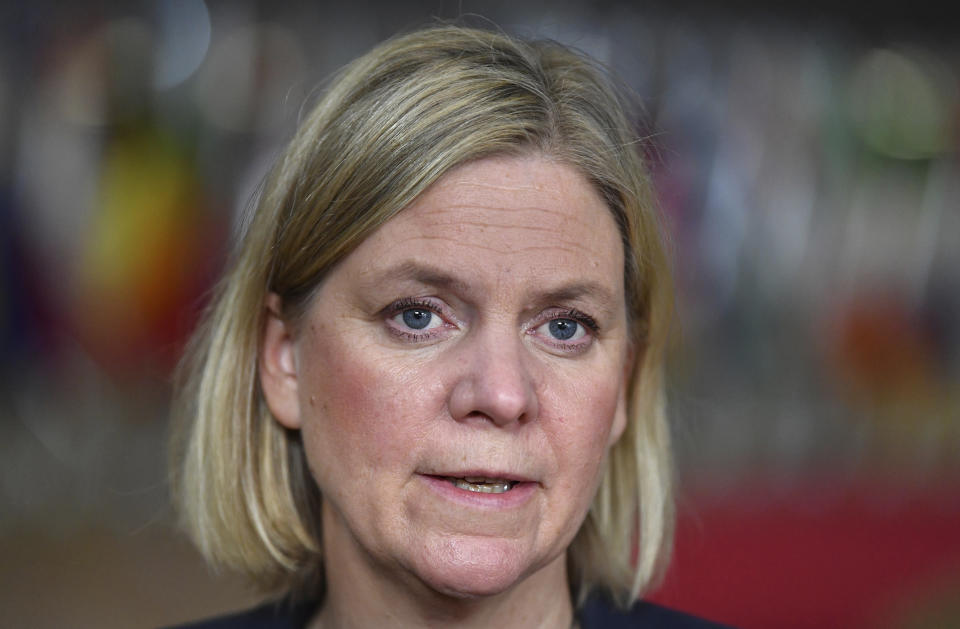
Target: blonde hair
[(392, 123)]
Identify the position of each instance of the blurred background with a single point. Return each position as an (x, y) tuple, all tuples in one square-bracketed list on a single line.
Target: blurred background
[(807, 165)]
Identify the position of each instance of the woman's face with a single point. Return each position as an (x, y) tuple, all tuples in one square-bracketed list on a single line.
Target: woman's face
[(459, 378)]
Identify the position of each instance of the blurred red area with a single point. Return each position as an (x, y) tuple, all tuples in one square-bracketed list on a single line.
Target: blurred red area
[(868, 555)]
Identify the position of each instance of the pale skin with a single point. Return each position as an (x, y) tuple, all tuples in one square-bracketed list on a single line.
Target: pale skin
[(482, 334)]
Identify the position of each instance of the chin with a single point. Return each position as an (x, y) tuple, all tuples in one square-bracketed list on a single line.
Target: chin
[(472, 568)]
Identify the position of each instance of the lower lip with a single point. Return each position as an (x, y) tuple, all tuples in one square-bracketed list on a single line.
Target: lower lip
[(519, 494)]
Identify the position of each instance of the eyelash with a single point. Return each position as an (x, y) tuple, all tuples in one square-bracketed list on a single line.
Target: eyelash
[(408, 303), (579, 317)]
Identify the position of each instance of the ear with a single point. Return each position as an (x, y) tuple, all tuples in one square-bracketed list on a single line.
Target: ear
[(278, 366), (620, 418)]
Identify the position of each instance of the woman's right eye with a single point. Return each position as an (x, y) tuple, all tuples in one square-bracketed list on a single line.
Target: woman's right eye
[(419, 319), (414, 319)]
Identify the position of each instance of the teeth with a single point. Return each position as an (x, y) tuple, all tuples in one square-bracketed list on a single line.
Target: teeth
[(482, 485)]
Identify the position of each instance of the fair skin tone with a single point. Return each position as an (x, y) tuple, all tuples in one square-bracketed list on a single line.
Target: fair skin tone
[(458, 380)]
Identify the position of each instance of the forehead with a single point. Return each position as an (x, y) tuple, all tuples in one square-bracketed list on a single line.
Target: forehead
[(522, 217), (513, 205)]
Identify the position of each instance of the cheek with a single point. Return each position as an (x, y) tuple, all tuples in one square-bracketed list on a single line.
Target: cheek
[(585, 417), (364, 412)]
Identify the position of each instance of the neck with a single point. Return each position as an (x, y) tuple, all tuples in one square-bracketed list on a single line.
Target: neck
[(364, 592)]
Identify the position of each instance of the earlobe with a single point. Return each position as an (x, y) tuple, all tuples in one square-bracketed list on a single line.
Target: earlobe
[(620, 418), (277, 365)]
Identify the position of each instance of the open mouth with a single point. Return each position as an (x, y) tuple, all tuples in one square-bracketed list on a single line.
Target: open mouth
[(482, 485)]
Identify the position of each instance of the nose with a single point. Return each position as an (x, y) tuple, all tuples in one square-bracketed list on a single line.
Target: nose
[(494, 382)]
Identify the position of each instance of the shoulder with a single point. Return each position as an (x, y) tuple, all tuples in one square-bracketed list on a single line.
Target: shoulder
[(598, 613), (272, 615)]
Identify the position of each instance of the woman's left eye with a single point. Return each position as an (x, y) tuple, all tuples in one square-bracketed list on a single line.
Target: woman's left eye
[(563, 329)]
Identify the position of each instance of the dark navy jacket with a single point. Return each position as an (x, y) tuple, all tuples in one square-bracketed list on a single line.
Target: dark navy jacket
[(596, 614)]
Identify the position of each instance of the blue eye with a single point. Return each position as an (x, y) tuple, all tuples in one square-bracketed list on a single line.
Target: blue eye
[(417, 318), (565, 329)]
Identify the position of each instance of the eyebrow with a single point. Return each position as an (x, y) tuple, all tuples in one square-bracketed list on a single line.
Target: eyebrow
[(578, 290), (418, 272), (430, 275)]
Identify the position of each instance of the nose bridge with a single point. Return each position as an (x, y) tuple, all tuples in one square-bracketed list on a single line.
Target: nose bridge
[(495, 381)]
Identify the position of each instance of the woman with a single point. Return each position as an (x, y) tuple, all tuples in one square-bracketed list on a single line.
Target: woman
[(428, 390)]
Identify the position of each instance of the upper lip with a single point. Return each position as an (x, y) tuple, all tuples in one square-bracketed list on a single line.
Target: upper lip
[(474, 473)]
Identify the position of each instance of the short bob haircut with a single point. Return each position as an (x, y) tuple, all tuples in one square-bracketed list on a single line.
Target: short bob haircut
[(391, 124)]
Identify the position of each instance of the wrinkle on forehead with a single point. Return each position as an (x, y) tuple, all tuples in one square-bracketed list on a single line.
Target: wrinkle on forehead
[(504, 187), (457, 210), (514, 221), (507, 248)]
